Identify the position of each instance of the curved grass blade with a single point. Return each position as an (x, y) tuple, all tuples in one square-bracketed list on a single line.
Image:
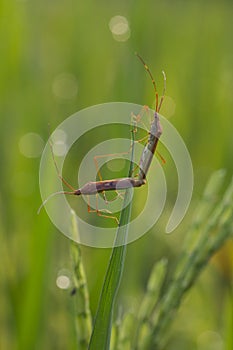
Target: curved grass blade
[(101, 334)]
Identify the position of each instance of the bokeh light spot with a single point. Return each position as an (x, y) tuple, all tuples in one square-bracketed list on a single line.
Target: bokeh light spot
[(210, 340), (59, 142), (59, 135), (168, 107), (65, 86), (119, 27), (59, 148), (63, 281), (31, 145)]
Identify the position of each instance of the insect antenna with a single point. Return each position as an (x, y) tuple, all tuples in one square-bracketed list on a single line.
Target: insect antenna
[(52, 195), (157, 103), (72, 192), (164, 90), (58, 173)]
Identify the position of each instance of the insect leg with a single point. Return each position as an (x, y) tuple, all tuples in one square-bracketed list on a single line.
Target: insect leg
[(101, 212), (118, 194), (164, 90), (153, 81), (57, 170)]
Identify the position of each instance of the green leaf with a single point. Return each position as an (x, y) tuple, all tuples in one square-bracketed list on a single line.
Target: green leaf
[(101, 334)]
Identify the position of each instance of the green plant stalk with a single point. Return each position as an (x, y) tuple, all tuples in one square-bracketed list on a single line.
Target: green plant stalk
[(125, 332), (229, 336), (201, 214), (83, 320), (204, 238), (155, 282), (101, 334), (206, 246), (115, 334)]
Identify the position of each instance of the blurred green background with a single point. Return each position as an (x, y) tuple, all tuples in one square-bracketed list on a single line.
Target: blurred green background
[(58, 57)]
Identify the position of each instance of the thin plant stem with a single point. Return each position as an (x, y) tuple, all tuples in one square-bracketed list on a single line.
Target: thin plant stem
[(83, 320), (214, 233)]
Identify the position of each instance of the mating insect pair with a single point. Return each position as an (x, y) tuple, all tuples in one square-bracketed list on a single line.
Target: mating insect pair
[(102, 186)]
